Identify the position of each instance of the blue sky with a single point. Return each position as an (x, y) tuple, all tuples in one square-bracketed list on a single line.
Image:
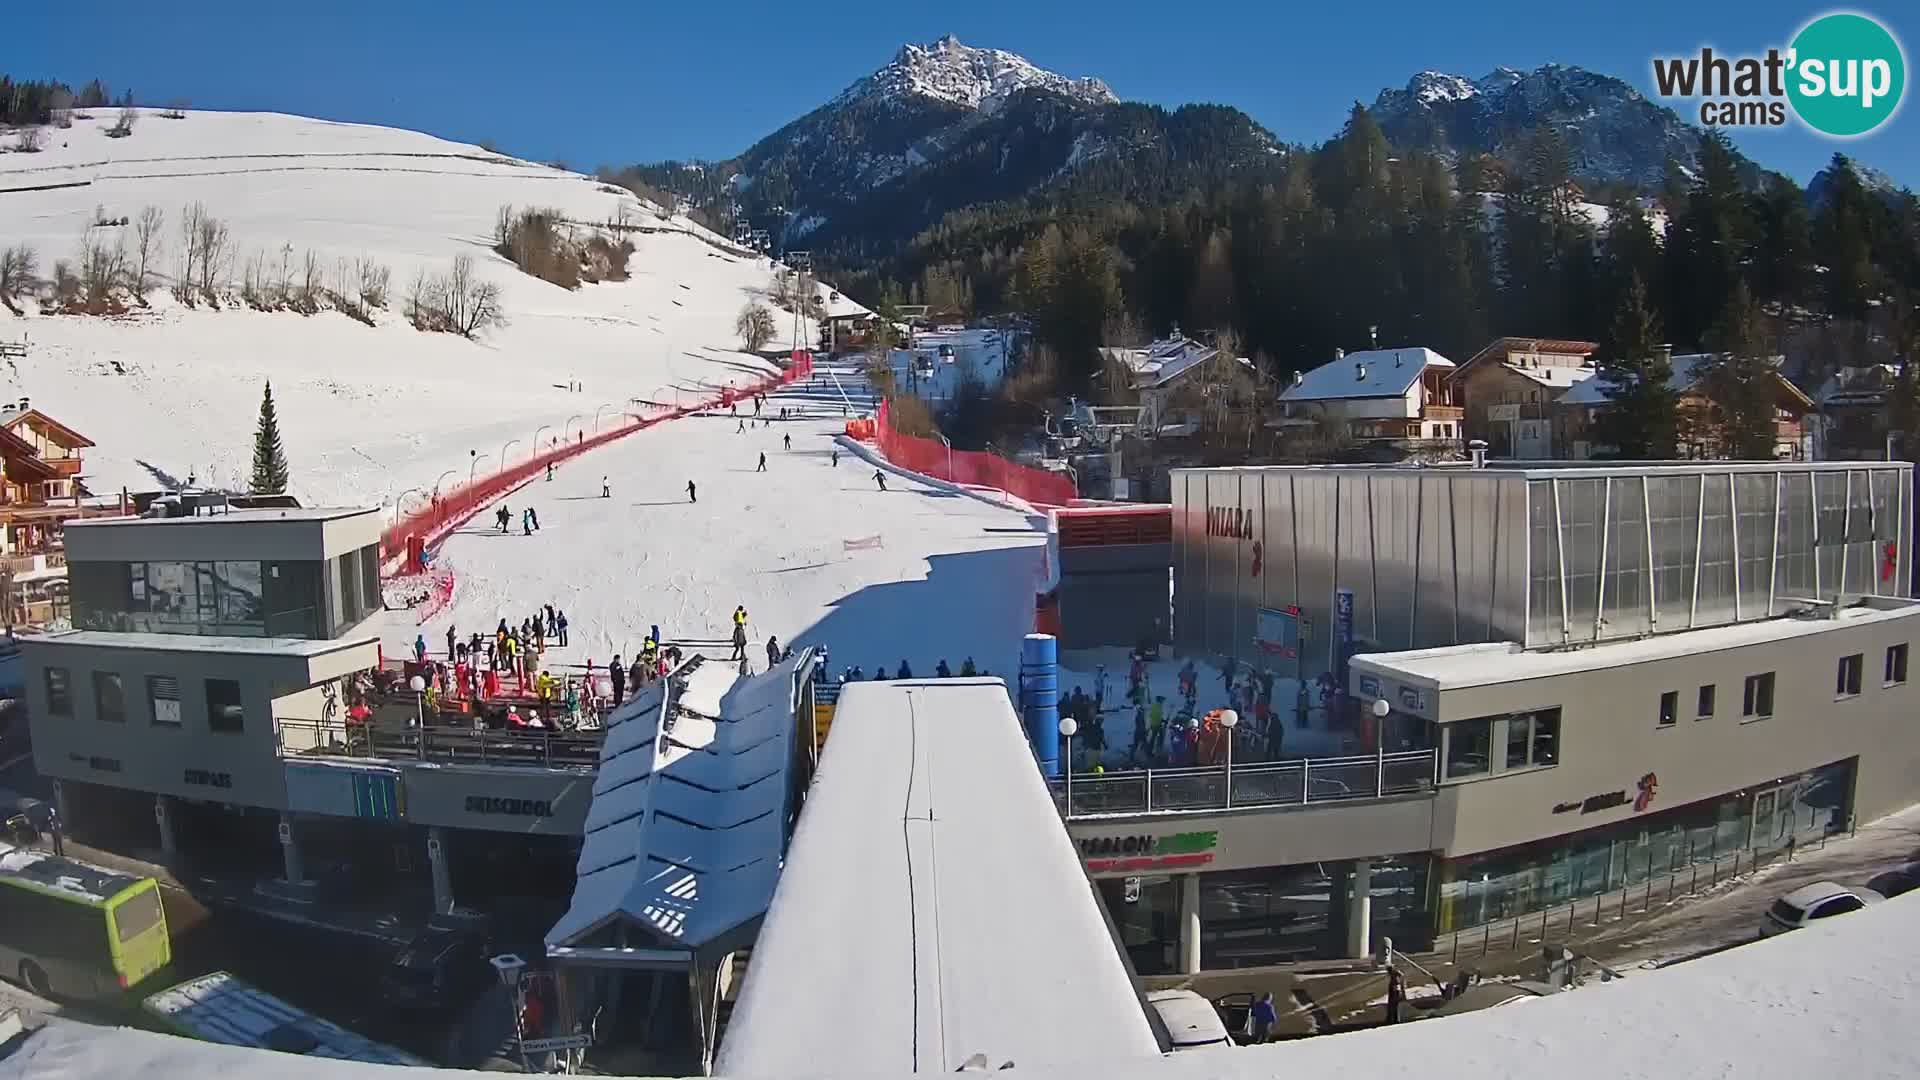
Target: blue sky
[(609, 84)]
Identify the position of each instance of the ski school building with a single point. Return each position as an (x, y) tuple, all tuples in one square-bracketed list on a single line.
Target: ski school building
[(1548, 684)]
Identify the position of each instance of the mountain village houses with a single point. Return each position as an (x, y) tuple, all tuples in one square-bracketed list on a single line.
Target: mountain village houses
[(41, 489)]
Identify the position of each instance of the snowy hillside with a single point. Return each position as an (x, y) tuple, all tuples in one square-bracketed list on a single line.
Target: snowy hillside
[(366, 411)]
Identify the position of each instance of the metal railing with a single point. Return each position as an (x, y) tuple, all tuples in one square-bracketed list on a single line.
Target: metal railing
[(545, 749), (1264, 783)]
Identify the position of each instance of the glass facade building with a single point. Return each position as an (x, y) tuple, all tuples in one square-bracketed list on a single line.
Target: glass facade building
[(1766, 818), (311, 599)]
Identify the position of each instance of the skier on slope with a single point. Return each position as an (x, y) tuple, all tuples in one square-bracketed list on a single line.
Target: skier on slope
[(606, 489), (692, 496), (880, 478), (836, 458), (501, 515), (787, 441), (763, 462)]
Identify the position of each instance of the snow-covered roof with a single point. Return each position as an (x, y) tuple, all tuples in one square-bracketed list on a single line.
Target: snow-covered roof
[(1450, 667), (1836, 998), (932, 906), (687, 824), (1161, 362), (1368, 374), (1553, 377), (1687, 369)]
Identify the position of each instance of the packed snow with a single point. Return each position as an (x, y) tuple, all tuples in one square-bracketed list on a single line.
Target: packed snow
[(815, 550), (366, 412)]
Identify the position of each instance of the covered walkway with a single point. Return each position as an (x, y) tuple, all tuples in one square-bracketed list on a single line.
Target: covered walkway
[(932, 909)]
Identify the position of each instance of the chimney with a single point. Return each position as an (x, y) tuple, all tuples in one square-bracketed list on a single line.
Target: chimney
[(1339, 353), (1299, 377), (1373, 337), (1477, 450), (1665, 352), (1360, 371)]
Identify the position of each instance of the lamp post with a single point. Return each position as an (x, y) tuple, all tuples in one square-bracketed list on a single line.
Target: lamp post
[(568, 426), (1229, 720), (511, 443), (418, 685), (1069, 727), (536, 437), (442, 476), (950, 475), (596, 416), (401, 501), (473, 462)]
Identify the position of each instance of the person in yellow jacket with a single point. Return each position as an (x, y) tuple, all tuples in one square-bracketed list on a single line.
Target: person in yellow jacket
[(543, 689), (740, 616)]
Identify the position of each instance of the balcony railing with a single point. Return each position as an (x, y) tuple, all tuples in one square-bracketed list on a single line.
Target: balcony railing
[(1265, 783), (384, 741)]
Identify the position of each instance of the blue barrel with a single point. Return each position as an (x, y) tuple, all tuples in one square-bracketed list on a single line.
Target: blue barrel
[(1040, 699)]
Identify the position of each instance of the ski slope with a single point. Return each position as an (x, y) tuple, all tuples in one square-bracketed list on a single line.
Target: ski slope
[(817, 552), (365, 412)]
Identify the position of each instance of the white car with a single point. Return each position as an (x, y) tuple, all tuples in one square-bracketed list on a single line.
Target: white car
[(1820, 900), (1192, 1022)]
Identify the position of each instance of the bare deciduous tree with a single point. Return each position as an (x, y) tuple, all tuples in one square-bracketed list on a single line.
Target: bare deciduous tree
[(216, 256), (754, 324), (18, 265), (192, 217), (103, 268), (307, 296), (423, 301), (470, 303), (66, 284), (123, 124), (29, 140), (147, 244), (253, 282), (374, 279)]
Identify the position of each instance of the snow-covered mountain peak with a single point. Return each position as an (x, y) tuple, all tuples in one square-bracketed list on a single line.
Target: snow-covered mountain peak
[(1432, 86), (983, 79)]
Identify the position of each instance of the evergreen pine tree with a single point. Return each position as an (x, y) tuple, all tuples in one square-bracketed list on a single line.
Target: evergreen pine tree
[(269, 457), (1903, 397), (1639, 420), (1741, 380)]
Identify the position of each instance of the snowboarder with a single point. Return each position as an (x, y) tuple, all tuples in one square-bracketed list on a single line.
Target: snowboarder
[(905, 672), (692, 497), (763, 462), (619, 676), (880, 478), (606, 489), (773, 651), (786, 441), (941, 670), (560, 628)]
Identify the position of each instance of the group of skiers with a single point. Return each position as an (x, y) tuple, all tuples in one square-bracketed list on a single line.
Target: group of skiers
[(649, 666), (941, 670), (529, 519)]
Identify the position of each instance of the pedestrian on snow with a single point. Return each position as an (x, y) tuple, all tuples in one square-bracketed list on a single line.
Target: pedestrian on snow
[(534, 516), (740, 615), (451, 639), (836, 458), (905, 672), (739, 641), (606, 489), (619, 676), (633, 674), (1139, 735), (967, 670), (500, 517), (786, 441), (549, 472), (763, 462), (880, 478), (526, 523), (692, 497), (773, 651), (560, 628), (420, 649), (740, 428), (941, 670)]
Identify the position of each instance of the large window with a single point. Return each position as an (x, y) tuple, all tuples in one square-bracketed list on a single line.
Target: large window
[(59, 692), (1896, 664), (1533, 738), (1846, 679), (224, 713), (109, 697), (1758, 701), (213, 598), (1469, 747)]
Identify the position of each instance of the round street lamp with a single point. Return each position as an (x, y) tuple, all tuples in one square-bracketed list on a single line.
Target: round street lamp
[(1069, 727), (1229, 720)]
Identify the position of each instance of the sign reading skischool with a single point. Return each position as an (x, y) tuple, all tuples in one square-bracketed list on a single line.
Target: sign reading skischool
[(1145, 851)]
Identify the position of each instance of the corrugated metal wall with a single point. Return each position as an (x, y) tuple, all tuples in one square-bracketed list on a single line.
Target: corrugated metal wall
[(1447, 556)]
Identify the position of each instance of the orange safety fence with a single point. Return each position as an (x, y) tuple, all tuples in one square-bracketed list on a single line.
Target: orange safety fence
[(976, 468), (427, 526)]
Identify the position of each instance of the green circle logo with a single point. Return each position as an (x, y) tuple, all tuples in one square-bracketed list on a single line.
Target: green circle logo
[(1848, 74)]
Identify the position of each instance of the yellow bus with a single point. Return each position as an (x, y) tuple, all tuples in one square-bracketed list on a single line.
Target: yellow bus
[(78, 932)]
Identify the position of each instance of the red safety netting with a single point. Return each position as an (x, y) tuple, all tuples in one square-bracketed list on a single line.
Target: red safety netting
[(972, 467), (430, 524)]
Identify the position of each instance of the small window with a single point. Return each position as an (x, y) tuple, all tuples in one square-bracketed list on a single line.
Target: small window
[(109, 699), (1705, 709), (1758, 701), (1546, 737), (1533, 738), (1846, 680), (1896, 664), (1669, 708), (59, 692), (1469, 745), (163, 691), (224, 713)]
